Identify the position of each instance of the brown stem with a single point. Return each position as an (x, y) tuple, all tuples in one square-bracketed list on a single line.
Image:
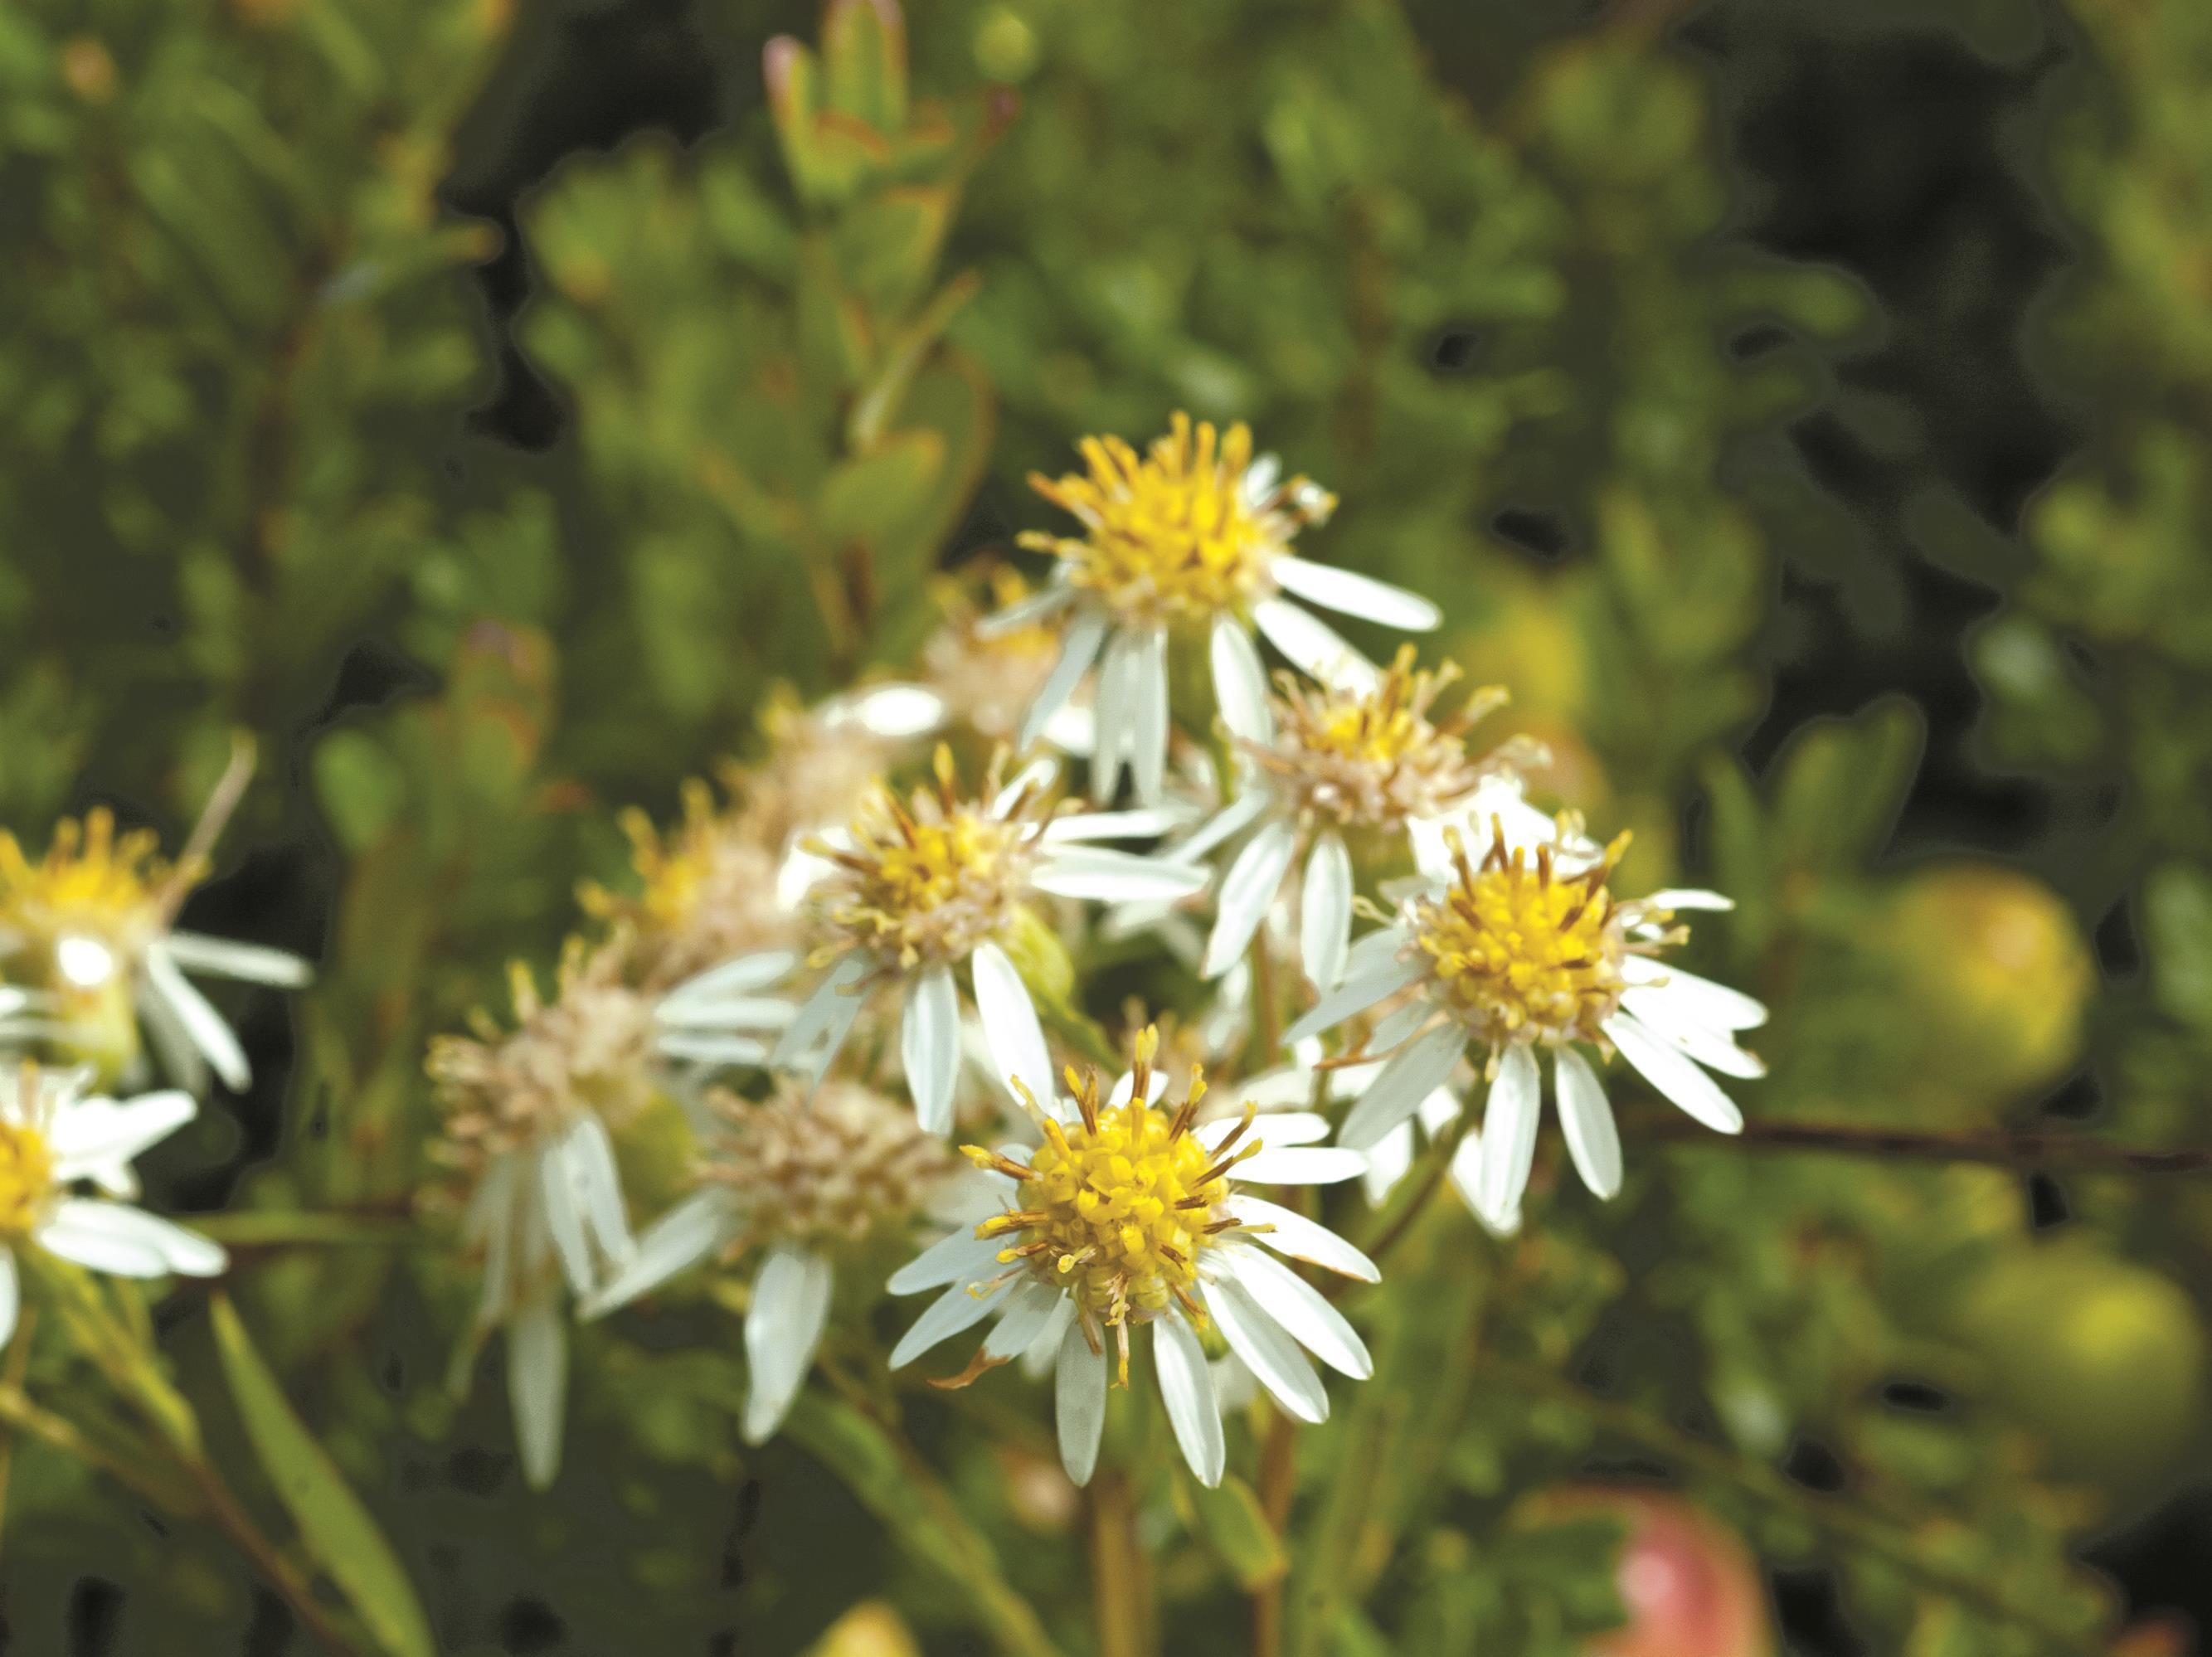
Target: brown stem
[(2027, 1152), (1278, 1470), (1122, 1596), (1440, 1161), (229, 1516)]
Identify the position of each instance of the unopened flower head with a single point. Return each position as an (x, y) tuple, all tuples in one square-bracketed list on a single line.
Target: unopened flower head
[(1192, 541), (1524, 946), (86, 933), (53, 1138), (1131, 1215)]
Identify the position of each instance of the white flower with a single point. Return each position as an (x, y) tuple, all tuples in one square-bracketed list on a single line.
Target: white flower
[(1527, 949), (52, 1138), (1129, 1216), (1191, 539), (916, 891), (527, 1118), (89, 924), (804, 1182), (1339, 770)]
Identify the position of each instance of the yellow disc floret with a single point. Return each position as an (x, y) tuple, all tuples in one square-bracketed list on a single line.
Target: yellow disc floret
[(927, 879), (1176, 535), (1521, 952), (90, 905), (26, 1177)]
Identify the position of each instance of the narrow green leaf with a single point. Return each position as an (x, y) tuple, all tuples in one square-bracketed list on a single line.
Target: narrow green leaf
[(1230, 1519), (338, 1530)]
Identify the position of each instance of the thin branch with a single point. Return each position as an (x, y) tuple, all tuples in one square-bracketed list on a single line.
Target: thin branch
[(2027, 1152)]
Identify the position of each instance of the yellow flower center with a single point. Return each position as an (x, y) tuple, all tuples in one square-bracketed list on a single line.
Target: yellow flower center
[(1171, 535), (931, 878), (1373, 757), (26, 1178), (1117, 1208), (89, 906), (1519, 952)]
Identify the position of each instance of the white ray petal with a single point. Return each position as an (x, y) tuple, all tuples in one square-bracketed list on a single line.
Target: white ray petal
[(598, 1184), (783, 1326), (702, 1049), (1358, 992), (1080, 1404), (1272, 1128), (1187, 1389), (1043, 1352), (93, 1136), (1271, 1355), (1248, 892), (1668, 1020), (895, 712), (1325, 912), (1109, 877), (1714, 1006), (1510, 1119), (1231, 820), (1240, 683), (689, 1232), (942, 1319), (1143, 822), (1314, 646), (1302, 1239), (837, 993), (1302, 1165), (1117, 699), (1586, 1118), (564, 1220), (1079, 648), (1011, 1028), (1674, 1076), (11, 1297), (537, 1386), (1298, 1306), (1349, 593), (962, 1257), (127, 1241), (1685, 897), (251, 963), (1030, 1307), (1023, 611), (929, 1047), (203, 1025), (738, 977), (1148, 752), (1419, 1069)]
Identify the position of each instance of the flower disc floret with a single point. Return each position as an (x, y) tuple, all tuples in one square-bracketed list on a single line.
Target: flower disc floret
[(835, 1168), (93, 902), (1178, 534), (26, 1177), (1521, 952)]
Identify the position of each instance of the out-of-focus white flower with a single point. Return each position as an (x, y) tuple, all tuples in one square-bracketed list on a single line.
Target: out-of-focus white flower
[(916, 890), (1130, 1216), (1527, 949), (1191, 538), (53, 1136), (802, 1183)]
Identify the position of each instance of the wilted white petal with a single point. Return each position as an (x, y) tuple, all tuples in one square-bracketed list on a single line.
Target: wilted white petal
[(1271, 1355), (1247, 891), (1675, 1076), (1314, 646), (1408, 1078), (1509, 1131), (1351, 594), (1586, 1118), (1240, 683), (929, 1047), (1302, 1239), (1079, 1402), (790, 1305), (1325, 912), (1187, 1389)]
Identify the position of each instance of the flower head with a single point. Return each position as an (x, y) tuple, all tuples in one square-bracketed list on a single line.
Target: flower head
[(1190, 540), (1527, 947), (1129, 1216), (86, 934), (54, 1137), (990, 676)]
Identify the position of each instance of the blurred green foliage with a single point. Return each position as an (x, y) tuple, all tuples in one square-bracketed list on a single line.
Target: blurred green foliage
[(240, 356)]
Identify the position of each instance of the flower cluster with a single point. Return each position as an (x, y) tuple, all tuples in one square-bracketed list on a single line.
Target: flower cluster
[(860, 954)]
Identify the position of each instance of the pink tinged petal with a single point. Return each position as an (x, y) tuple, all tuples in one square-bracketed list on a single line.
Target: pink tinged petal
[(1714, 1006), (202, 1024), (1080, 1404), (1325, 912), (1298, 1307), (1358, 992), (929, 1047), (1418, 1070), (1248, 892), (1586, 1118), (783, 1326), (1272, 1355), (1187, 1389), (1349, 593), (1011, 1030), (93, 1134), (1301, 1165), (1674, 1076), (536, 1388), (1509, 1133), (1314, 646), (1665, 1019), (695, 1227), (1302, 1239), (1240, 682), (945, 1317), (1079, 648), (962, 1257)]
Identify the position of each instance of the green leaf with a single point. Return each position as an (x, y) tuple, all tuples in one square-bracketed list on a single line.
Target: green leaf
[(1230, 1519), (338, 1530), (864, 53)]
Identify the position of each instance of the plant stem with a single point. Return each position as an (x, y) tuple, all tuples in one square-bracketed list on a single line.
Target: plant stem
[(1848, 1523), (1121, 1594), (1279, 1469), (2027, 1152), (1440, 1155), (230, 1517), (1267, 1010)]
